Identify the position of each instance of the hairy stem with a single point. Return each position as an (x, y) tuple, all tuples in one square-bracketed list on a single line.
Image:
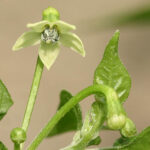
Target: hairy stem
[(94, 89)]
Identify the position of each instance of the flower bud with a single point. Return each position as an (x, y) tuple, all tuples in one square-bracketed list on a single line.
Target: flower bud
[(129, 129), (116, 122), (18, 135), (51, 14)]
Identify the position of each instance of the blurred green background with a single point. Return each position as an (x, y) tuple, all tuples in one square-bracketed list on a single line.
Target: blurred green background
[(96, 21)]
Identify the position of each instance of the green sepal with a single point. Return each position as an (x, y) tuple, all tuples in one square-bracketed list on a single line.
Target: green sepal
[(5, 100), (27, 39), (72, 41), (48, 53), (72, 121), (2, 146), (139, 142), (111, 71)]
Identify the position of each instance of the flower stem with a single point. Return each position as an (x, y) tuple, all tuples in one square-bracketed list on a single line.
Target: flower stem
[(16, 146), (94, 89), (33, 94)]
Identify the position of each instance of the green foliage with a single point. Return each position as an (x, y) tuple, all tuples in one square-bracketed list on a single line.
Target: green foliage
[(139, 142), (122, 141), (111, 71), (111, 78), (72, 121), (5, 100), (95, 141), (88, 135), (138, 16), (2, 146)]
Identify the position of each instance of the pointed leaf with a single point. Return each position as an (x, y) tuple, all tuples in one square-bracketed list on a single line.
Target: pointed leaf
[(29, 38), (111, 71), (38, 26), (72, 121), (63, 26), (72, 41), (5, 100), (139, 142), (48, 53), (2, 146)]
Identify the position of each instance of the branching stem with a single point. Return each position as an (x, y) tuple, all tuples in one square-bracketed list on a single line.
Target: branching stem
[(94, 89)]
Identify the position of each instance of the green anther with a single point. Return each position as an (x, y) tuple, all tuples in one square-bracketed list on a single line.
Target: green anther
[(51, 14), (18, 135)]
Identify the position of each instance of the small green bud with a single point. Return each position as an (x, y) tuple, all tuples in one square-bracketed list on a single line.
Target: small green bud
[(18, 135), (129, 129), (116, 122), (51, 14)]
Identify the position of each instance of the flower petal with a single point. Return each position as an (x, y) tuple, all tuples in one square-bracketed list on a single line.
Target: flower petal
[(38, 26), (27, 39), (72, 41), (48, 53), (63, 26)]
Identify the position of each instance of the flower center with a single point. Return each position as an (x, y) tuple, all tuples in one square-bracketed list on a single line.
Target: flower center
[(50, 35)]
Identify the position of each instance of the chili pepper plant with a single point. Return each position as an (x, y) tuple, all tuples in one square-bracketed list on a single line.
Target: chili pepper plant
[(111, 87)]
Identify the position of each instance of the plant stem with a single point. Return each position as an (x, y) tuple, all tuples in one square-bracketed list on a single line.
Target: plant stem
[(16, 146), (94, 89), (33, 93)]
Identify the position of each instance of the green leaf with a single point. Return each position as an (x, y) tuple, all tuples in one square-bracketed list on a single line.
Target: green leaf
[(123, 141), (139, 142), (72, 121), (89, 130), (5, 100), (48, 53), (63, 26), (27, 39), (72, 41), (2, 146), (111, 71), (95, 141), (38, 26)]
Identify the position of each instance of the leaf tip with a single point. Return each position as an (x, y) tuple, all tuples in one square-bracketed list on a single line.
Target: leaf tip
[(117, 34)]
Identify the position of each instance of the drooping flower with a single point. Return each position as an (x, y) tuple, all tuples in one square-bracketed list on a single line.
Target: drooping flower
[(50, 33)]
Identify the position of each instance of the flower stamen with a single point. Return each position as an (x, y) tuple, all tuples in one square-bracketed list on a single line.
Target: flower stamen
[(50, 35)]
